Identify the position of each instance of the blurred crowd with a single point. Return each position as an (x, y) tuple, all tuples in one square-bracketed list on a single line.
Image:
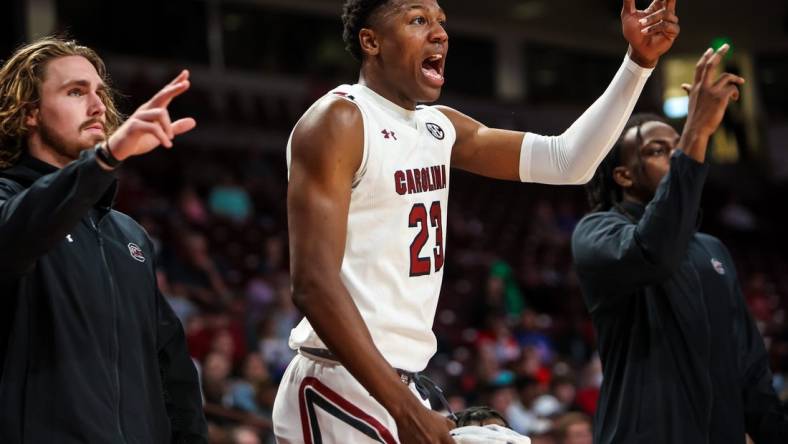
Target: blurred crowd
[(512, 328)]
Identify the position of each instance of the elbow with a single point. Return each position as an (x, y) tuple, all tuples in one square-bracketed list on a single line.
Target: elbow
[(577, 177), (571, 160), (565, 177), (575, 171), (584, 179), (582, 174), (662, 251), (300, 294), (306, 290)]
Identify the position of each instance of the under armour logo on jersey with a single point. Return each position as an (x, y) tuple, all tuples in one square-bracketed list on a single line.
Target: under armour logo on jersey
[(717, 266), (69, 238), (136, 252), (388, 134), (436, 131)]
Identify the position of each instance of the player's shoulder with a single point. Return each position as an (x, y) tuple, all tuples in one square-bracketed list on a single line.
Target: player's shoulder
[(439, 120), (594, 228), (332, 129), (334, 113), (460, 122), (443, 110), (711, 242), (705, 237), (600, 219)]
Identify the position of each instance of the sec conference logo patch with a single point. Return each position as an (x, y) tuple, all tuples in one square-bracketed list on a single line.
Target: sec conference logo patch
[(136, 252), (436, 131)]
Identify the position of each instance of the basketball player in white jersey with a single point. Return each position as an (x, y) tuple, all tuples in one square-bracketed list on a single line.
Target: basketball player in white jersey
[(367, 200)]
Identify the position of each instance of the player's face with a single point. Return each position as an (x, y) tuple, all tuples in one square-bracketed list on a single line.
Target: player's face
[(70, 114), (413, 48), (649, 158)]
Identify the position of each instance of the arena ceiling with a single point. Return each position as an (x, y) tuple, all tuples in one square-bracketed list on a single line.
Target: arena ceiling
[(761, 25)]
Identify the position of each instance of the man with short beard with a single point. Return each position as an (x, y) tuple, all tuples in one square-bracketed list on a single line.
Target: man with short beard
[(682, 358), (90, 351)]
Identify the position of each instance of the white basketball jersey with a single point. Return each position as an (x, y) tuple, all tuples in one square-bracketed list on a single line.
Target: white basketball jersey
[(396, 234)]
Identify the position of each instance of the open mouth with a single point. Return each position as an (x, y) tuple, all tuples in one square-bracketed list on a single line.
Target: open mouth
[(432, 67)]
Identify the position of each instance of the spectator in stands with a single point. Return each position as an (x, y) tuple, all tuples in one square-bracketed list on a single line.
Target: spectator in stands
[(192, 207), (228, 199), (215, 379), (243, 392), (273, 345), (193, 270), (244, 435), (573, 428), (563, 389), (182, 306)]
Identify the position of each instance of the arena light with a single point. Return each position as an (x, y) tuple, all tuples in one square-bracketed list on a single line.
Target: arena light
[(677, 70), (717, 42), (681, 69), (676, 107)]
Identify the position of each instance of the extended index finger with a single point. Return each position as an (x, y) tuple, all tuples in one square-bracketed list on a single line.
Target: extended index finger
[(184, 75), (712, 63), (163, 98), (629, 7), (655, 6), (700, 67)]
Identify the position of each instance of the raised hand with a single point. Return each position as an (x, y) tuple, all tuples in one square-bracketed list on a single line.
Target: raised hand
[(150, 125), (650, 32), (709, 98)]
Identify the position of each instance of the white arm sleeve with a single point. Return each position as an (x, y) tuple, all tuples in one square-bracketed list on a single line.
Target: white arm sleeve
[(572, 157)]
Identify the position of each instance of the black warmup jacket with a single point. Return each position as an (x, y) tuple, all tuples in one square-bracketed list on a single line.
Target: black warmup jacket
[(683, 361), (90, 351)]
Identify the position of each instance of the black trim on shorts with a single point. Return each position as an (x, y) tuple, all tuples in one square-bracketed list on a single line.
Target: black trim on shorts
[(313, 398)]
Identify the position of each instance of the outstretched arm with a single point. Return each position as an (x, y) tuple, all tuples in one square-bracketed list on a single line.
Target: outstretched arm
[(34, 220), (572, 157)]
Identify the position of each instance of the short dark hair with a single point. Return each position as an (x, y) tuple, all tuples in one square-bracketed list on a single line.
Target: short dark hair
[(355, 16), (603, 192), (477, 416)]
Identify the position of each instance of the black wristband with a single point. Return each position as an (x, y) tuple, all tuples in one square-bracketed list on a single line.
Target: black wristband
[(105, 155)]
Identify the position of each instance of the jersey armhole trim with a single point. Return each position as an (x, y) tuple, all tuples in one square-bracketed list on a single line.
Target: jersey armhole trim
[(362, 168)]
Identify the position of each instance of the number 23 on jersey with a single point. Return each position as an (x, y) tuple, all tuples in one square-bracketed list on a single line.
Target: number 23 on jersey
[(422, 219)]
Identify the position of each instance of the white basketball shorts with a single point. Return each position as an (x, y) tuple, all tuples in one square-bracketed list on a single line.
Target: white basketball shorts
[(320, 402)]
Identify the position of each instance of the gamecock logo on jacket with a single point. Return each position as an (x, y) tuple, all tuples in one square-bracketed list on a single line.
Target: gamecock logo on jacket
[(136, 252)]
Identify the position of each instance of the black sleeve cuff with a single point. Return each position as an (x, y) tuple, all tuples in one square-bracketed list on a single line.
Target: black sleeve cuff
[(89, 165)]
